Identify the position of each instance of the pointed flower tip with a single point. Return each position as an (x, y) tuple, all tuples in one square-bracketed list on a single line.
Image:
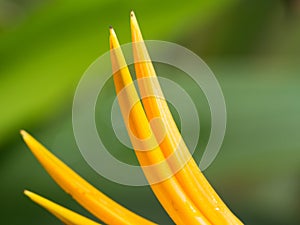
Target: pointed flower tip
[(23, 133), (28, 193), (132, 13), (112, 31), (114, 43), (135, 29), (133, 18), (27, 138), (65, 215), (32, 196)]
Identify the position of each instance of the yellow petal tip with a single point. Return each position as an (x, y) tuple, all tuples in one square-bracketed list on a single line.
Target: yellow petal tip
[(132, 13), (30, 194), (112, 31), (27, 193), (23, 133), (133, 19)]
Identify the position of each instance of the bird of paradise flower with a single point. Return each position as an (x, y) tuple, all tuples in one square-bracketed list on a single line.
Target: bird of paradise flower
[(187, 196)]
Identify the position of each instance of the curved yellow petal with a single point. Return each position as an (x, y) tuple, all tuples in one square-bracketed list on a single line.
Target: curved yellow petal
[(190, 177), (65, 215), (84, 193), (170, 194)]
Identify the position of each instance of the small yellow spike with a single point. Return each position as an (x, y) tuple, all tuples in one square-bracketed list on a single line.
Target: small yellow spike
[(190, 177), (169, 193), (88, 196), (65, 215)]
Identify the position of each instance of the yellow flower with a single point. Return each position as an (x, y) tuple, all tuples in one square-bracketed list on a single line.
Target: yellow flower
[(186, 196)]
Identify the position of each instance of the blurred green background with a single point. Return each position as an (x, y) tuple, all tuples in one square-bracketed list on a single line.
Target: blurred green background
[(253, 47)]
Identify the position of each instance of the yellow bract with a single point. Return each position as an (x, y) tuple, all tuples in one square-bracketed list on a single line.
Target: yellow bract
[(186, 196), (64, 214), (84, 193), (169, 192), (190, 177)]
